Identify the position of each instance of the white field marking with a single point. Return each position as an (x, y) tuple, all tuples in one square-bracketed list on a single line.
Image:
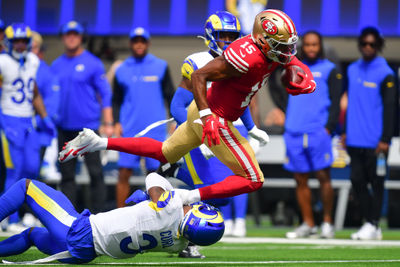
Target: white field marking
[(308, 241), (316, 247), (222, 262)]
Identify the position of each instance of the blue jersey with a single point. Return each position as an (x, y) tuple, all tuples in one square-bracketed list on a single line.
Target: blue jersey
[(309, 112), (364, 124), (84, 91), (140, 81), (48, 86)]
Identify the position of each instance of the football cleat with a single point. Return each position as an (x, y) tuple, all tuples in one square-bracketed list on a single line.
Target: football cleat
[(191, 251), (327, 230), (17, 31), (203, 225), (87, 141), (220, 21), (275, 34)]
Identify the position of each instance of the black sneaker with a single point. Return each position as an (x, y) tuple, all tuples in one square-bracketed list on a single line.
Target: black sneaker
[(191, 251), (168, 170)]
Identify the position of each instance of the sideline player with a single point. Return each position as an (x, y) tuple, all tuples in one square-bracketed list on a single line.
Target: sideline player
[(19, 98), (237, 75), (162, 223)]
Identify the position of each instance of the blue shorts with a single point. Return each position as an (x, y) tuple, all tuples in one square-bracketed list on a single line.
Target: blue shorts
[(308, 152)]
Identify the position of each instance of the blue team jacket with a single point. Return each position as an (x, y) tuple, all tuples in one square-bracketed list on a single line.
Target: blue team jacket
[(143, 101), (309, 113), (364, 122), (84, 91)]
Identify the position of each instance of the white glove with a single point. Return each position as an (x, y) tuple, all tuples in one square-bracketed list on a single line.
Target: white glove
[(259, 135), (207, 153), (255, 144)]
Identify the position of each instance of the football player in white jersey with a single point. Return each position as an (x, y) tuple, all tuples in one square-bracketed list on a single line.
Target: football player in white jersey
[(19, 99), (160, 224)]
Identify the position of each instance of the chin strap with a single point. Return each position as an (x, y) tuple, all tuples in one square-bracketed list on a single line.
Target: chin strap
[(54, 257)]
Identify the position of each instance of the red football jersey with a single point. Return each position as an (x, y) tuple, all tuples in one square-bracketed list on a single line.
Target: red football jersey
[(229, 98)]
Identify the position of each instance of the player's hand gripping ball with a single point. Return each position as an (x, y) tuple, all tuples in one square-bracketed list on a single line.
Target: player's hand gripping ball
[(296, 81)]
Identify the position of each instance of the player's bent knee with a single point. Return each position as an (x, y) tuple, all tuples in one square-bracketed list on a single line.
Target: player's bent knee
[(256, 186)]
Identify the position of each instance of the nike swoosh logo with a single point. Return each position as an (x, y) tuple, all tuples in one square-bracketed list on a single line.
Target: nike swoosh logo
[(66, 155), (78, 150)]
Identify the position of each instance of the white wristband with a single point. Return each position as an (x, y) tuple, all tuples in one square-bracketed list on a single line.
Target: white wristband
[(205, 112)]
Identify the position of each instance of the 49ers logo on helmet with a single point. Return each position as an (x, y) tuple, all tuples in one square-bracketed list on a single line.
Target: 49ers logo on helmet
[(269, 27)]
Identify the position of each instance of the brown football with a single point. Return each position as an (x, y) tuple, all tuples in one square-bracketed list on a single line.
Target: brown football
[(290, 74)]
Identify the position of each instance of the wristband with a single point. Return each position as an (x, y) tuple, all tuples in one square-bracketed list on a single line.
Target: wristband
[(108, 123), (205, 112)]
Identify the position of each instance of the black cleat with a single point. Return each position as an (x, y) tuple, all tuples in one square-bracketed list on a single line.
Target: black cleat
[(191, 251), (168, 170)]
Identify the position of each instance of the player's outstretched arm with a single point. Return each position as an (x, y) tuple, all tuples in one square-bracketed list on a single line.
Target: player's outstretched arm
[(217, 69)]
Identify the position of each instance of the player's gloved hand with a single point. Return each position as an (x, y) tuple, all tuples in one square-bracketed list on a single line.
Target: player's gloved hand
[(255, 144), (137, 197), (306, 86), (211, 127), (46, 124), (259, 135), (207, 153)]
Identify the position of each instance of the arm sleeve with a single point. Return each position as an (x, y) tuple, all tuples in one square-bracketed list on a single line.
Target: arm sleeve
[(101, 85), (388, 93), (154, 179), (247, 119), (182, 98), (117, 99), (335, 91), (167, 86)]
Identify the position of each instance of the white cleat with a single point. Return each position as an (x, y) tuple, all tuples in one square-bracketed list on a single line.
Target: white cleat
[(367, 232), (228, 228), (327, 230), (303, 231), (87, 141), (239, 229)]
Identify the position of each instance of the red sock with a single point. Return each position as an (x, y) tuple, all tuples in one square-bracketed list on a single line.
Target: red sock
[(231, 186), (141, 146)]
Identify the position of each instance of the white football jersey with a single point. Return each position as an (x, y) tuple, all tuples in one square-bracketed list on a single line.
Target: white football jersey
[(147, 226), (18, 85)]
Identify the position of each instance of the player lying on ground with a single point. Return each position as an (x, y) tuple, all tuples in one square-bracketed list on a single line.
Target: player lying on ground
[(162, 223), (237, 75)]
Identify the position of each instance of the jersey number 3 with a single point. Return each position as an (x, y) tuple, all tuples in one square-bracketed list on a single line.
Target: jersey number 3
[(128, 240), (24, 91)]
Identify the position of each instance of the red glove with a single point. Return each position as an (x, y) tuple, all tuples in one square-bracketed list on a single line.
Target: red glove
[(306, 86), (211, 130)]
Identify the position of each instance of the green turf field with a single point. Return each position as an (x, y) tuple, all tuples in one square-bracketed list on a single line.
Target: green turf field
[(270, 252)]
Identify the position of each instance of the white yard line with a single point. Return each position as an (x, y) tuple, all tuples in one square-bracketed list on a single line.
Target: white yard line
[(310, 241)]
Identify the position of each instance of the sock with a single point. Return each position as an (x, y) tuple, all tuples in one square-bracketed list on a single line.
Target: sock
[(15, 244), (141, 146), (227, 211), (240, 205), (231, 186), (12, 199)]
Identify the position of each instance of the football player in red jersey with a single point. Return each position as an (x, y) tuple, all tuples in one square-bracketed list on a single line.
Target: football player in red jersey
[(237, 75)]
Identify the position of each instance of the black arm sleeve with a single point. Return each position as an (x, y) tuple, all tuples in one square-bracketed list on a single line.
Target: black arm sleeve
[(335, 91), (388, 93), (117, 99), (167, 87)]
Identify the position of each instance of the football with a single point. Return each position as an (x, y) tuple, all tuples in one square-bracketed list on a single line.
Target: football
[(290, 74)]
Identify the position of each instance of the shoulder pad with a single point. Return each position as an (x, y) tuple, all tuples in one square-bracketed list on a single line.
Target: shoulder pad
[(188, 67)]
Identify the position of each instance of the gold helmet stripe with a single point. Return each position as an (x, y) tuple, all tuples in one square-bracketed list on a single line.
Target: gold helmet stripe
[(285, 18), (9, 32), (216, 22)]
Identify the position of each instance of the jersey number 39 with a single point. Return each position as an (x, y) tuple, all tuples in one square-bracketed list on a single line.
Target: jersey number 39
[(23, 92)]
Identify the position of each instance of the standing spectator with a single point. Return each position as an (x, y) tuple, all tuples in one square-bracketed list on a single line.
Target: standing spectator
[(369, 127), (141, 84), (308, 130), (19, 98), (2, 28), (49, 89), (86, 95)]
